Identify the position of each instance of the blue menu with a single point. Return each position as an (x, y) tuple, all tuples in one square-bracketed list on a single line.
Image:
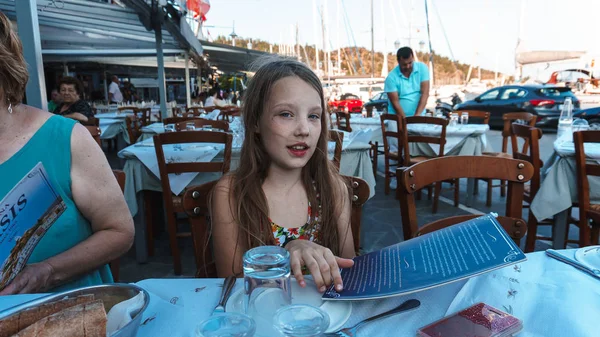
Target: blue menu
[(437, 258), (26, 213)]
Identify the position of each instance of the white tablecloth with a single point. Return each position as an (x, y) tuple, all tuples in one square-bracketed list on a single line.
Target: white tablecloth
[(466, 140), (551, 297)]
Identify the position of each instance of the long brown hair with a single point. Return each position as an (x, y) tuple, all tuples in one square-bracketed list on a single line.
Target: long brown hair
[(251, 210), (13, 69)]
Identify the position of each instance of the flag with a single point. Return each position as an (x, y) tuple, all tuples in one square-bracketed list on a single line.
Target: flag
[(199, 7)]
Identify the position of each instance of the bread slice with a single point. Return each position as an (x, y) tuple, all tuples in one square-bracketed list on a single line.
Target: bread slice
[(13, 324), (74, 321)]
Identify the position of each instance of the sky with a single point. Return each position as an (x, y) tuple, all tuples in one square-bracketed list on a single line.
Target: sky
[(481, 32)]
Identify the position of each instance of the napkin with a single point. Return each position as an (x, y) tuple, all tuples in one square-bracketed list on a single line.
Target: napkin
[(213, 114), (122, 313)]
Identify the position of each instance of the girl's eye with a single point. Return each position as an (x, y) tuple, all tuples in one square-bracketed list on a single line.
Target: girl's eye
[(314, 116), (285, 114)]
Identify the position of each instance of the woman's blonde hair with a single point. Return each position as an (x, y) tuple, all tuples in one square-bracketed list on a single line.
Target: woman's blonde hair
[(319, 177), (13, 68)]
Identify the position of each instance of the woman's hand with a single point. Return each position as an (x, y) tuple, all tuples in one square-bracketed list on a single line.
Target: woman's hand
[(32, 279), (320, 261)]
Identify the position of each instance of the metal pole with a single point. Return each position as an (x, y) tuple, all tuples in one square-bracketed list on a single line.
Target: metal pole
[(429, 38), (162, 88), (372, 42), (188, 95), (29, 31)]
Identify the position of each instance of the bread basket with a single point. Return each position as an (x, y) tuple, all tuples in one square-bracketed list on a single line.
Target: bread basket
[(110, 294)]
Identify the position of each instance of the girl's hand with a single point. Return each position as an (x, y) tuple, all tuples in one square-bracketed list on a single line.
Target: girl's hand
[(320, 261), (33, 278)]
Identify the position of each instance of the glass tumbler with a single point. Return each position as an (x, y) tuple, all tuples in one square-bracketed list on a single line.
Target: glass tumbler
[(169, 127), (464, 118), (267, 285), (190, 126), (301, 320), (453, 119), (227, 325)]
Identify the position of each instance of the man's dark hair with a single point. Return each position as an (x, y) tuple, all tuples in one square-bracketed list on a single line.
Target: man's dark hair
[(404, 53), (72, 81)]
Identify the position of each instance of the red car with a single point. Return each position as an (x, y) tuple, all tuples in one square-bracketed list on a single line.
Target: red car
[(350, 101)]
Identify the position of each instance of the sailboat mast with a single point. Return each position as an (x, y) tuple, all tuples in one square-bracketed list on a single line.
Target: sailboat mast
[(430, 48), (372, 44), (315, 38), (339, 56)]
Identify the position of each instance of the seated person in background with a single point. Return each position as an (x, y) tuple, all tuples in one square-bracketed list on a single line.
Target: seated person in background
[(213, 98), (55, 100), (73, 106), (96, 226), (284, 178)]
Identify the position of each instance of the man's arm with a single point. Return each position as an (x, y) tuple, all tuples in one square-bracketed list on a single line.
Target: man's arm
[(395, 100), (424, 97)]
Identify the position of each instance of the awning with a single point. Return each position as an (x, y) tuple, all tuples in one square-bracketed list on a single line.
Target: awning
[(230, 59), (70, 29)]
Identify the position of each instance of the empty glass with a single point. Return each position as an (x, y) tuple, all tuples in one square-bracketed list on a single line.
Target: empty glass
[(227, 325), (464, 118), (453, 119), (169, 127), (301, 320), (190, 126), (267, 285)]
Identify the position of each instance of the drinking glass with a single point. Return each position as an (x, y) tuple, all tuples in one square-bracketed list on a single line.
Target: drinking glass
[(428, 114), (464, 118), (190, 126), (207, 128), (179, 114), (301, 320), (267, 285), (169, 127), (453, 119), (227, 325)]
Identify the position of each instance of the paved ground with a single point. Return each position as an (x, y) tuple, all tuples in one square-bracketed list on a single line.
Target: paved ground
[(381, 222)]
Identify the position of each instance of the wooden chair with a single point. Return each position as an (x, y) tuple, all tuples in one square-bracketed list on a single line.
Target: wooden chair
[(508, 119), (437, 140), (195, 202), (481, 116), (175, 120), (587, 211), (196, 111), (425, 173), (359, 191), (399, 156), (338, 138), (531, 138), (198, 123), (127, 108), (173, 203), (95, 132), (342, 125), (227, 113), (134, 128), (144, 115), (115, 264), (92, 121)]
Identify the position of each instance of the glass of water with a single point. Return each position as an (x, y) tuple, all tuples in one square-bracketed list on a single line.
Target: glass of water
[(464, 118), (301, 320), (227, 325), (169, 127), (453, 119), (267, 285), (190, 126)]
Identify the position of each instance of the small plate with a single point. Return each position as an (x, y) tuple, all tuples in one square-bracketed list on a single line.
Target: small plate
[(589, 257), (338, 311)]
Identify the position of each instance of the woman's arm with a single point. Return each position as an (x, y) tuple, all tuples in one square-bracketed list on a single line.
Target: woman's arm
[(98, 197), (77, 116), (225, 231)]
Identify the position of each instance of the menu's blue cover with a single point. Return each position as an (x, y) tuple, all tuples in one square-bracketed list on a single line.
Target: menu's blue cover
[(437, 258), (26, 213)]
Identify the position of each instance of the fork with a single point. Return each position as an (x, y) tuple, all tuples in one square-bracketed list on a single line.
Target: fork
[(351, 331)]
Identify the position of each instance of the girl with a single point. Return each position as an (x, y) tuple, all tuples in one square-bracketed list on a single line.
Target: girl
[(284, 178)]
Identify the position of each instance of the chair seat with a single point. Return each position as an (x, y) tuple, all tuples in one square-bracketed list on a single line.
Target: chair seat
[(415, 160), (498, 154)]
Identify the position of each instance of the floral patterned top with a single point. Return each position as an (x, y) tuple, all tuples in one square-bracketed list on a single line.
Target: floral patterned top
[(283, 234)]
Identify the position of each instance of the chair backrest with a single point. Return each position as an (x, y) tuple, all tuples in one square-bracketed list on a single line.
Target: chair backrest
[(585, 168), (95, 132), (195, 111), (144, 114), (195, 202), (189, 137), (126, 108), (400, 135), (515, 227), (120, 176), (531, 136), (92, 121), (425, 173), (175, 120), (342, 120), (359, 191), (134, 127), (227, 113), (115, 264), (198, 123), (511, 117), (440, 140), (338, 138), (484, 116)]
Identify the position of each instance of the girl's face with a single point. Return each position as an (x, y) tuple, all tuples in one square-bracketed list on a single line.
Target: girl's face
[(290, 125)]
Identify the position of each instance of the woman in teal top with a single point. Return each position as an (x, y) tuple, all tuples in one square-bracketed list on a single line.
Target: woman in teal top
[(96, 226)]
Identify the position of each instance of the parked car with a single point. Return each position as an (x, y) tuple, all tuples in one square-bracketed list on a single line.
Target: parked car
[(545, 101), (350, 101), (379, 102), (592, 115)]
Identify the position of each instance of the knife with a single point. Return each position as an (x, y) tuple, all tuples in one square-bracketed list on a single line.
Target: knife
[(560, 257), (227, 287)]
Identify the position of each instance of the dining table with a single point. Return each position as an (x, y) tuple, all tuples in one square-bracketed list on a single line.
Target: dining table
[(558, 189), (552, 298)]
